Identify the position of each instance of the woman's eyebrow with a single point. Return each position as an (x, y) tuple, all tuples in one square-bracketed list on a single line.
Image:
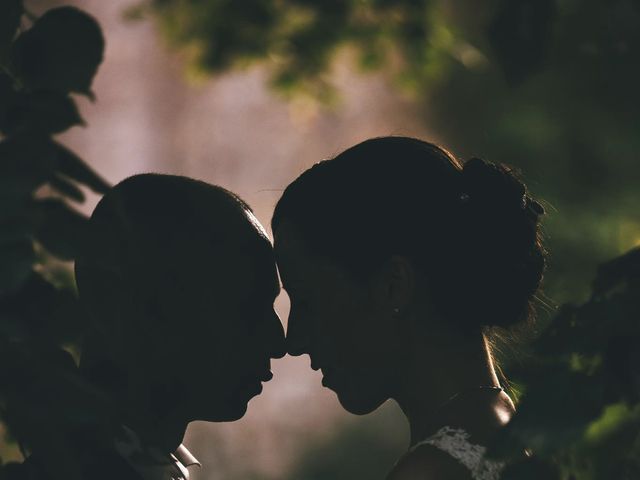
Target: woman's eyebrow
[(288, 288)]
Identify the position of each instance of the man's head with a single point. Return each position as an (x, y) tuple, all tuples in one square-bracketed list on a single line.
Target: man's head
[(179, 279)]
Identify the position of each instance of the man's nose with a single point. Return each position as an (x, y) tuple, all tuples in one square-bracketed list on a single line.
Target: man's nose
[(277, 344)]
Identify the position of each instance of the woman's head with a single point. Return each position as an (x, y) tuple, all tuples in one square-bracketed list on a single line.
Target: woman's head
[(393, 227)]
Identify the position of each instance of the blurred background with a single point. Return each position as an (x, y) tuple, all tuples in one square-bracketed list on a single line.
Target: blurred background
[(248, 94)]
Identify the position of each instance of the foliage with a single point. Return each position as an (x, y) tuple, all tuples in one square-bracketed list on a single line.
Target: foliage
[(40, 67), (299, 37), (546, 85), (581, 407)]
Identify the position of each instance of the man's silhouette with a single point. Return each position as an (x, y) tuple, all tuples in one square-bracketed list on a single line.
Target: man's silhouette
[(179, 282)]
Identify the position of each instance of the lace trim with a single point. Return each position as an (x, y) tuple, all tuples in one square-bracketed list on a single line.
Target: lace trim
[(455, 442)]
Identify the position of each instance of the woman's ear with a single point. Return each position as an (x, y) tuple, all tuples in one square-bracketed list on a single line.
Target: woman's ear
[(394, 286)]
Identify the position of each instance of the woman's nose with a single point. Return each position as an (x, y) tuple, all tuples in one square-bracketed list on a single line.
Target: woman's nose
[(297, 338)]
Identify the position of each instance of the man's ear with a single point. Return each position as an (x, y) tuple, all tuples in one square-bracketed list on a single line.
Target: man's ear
[(394, 284)]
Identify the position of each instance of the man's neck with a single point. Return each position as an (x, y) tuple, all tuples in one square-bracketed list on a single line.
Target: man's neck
[(157, 419)]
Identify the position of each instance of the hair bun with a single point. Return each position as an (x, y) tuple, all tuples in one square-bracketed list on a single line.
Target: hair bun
[(506, 251), (494, 185)]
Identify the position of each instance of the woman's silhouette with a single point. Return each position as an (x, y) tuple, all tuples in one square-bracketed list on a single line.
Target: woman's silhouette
[(397, 258)]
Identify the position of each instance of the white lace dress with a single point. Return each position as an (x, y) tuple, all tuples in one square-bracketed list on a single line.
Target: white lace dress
[(455, 442)]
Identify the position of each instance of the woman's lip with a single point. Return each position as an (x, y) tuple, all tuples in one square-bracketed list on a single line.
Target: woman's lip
[(327, 380)]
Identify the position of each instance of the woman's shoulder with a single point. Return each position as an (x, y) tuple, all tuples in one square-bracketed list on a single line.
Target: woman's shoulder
[(427, 462), (448, 453)]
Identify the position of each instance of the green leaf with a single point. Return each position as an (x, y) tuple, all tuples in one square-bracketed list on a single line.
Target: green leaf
[(16, 260), (26, 162), (62, 231), (62, 51), (10, 13), (43, 112), (75, 168), (614, 418)]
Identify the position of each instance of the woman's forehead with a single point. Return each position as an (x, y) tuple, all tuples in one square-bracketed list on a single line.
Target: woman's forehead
[(255, 223)]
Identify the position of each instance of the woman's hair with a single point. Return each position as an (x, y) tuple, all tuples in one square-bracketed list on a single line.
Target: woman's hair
[(472, 229)]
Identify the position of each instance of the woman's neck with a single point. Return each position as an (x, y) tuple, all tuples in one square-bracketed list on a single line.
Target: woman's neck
[(439, 366)]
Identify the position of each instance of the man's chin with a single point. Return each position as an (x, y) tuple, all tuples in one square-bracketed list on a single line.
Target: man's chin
[(359, 405), (233, 407), (230, 413)]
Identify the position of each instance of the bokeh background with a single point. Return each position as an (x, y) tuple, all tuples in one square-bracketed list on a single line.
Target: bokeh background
[(213, 90)]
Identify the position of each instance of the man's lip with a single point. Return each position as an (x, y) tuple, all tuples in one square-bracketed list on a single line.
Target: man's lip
[(326, 370), (315, 364), (258, 377)]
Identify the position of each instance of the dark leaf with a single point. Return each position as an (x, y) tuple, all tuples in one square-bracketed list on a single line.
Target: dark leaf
[(62, 231), (65, 186), (16, 260), (7, 94), (12, 207), (13, 471), (545, 422), (530, 468), (62, 51), (617, 271), (44, 312), (519, 36), (75, 168), (17, 227), (26, 162), (10, 13), (49, 406), (44, 112)]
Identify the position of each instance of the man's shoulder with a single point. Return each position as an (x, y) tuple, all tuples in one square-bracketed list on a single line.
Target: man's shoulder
[(88, 464)]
